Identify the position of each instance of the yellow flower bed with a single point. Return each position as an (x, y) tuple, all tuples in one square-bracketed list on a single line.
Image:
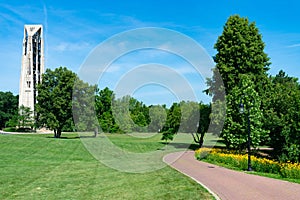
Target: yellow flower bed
[(290, 170), (286, 170)]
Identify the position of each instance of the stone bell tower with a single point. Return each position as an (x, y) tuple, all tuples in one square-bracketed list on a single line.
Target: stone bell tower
[(32, 65)]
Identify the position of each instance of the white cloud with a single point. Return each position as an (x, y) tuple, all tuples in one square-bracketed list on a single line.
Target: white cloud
[(68, 46), (294, 45)]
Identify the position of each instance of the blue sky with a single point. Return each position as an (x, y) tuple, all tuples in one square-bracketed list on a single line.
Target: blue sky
[(72, 30)]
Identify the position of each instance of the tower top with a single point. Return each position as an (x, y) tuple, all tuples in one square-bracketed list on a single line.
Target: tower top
[(32, 29)]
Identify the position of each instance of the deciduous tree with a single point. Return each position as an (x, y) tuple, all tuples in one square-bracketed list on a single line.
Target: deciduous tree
[(172, 124), (282, 117), (83, 103), (158, 116), (54, 107), (8, 107), (240, 50), (121, 114), (103, 104), (242, 65), (25, 117), (236, 126), (203, 125)]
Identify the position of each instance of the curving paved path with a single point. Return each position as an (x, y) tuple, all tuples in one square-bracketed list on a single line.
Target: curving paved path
[(230, 184)]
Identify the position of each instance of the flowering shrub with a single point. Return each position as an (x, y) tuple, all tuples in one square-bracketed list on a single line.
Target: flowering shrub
[(286, 170), (290, 170)]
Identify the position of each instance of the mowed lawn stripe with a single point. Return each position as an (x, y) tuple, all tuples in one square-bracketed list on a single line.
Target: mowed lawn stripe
[(41, 167)]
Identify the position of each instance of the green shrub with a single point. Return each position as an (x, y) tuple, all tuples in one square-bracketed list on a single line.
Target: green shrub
[(10, 129)]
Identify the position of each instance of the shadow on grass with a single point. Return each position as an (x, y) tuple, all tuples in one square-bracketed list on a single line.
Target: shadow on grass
[(182, 146), (64, 138), (70, 137), (193, 147)]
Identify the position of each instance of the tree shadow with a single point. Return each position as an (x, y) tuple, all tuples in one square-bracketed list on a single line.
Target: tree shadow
[(192, 147), (213, 146), (182, 145), (217, 140), (90, 136), (74, 137), (64, 137)]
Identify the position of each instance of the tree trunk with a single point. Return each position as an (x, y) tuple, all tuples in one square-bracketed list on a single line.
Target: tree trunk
[(58, 133), (199, 140), (96, 132)]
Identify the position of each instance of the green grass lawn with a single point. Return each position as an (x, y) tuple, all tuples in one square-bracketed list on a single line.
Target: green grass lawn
[(41, 167)]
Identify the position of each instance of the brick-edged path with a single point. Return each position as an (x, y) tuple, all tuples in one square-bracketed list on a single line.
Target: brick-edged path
[(230, 184)]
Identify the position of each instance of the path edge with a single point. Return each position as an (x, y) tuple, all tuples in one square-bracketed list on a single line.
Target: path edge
[(204, 186)]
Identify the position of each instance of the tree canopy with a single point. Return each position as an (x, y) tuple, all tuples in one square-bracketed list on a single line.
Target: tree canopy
[(158, 116), (282, 105), (235, 127), (103, 105), (240, 50), (54, 107), (187, 117), (8, 107)]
